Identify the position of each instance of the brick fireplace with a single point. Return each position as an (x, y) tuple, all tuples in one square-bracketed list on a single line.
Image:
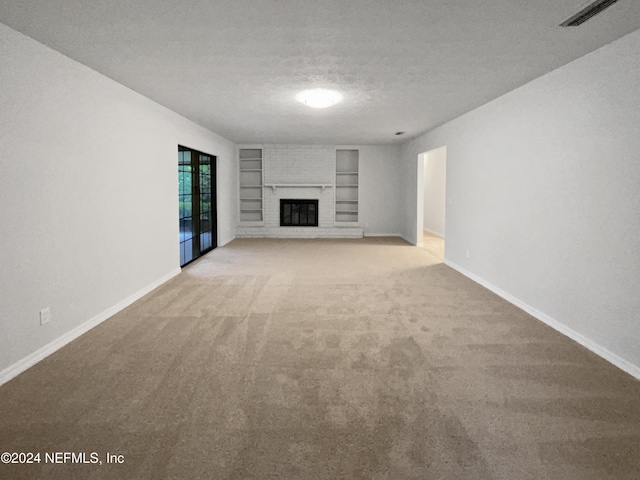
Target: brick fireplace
[(303, 173)]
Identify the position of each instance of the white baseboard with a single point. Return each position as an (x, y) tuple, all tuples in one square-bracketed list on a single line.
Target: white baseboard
[(382, 235), (223, 241), (29, 361), (433, 232), (621, 363)]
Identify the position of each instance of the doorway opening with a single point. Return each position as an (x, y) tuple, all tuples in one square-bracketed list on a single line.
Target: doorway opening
[(431, 201), (197, 204)]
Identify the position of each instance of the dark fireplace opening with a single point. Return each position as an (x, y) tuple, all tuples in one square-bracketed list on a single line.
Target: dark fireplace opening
[(298, 213)]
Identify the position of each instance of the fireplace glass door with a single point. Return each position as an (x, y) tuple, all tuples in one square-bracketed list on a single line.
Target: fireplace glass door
[(298, 213)]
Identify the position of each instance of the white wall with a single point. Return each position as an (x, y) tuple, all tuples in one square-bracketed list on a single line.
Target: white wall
[(545, 185), (88, 192), (380, 190), (435, 177)]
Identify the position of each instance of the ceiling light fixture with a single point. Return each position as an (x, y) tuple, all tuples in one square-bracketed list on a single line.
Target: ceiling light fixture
[(319, 97)]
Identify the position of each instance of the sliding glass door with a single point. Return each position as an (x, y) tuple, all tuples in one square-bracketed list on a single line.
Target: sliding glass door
[(197, 203)]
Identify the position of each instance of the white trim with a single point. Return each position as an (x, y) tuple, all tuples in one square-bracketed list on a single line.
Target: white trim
[(40, 354), (412, 242), (422, 160), (439, 235), (223, 242), (599, 350), (383, 235)]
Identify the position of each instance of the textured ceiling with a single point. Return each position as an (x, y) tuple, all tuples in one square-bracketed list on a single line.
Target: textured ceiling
[(234, 66)]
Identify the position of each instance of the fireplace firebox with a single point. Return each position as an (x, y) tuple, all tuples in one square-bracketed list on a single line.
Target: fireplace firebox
[(298, 213)]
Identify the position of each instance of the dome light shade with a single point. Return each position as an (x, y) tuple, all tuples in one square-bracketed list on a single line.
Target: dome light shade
[(319, 97)]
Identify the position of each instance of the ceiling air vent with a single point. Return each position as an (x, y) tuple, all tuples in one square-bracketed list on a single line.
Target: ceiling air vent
[(587, 13)]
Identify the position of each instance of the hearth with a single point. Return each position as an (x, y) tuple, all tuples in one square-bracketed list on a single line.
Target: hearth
[(298, 212)]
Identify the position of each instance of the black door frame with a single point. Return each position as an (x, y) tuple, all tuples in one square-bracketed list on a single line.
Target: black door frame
[(196, 201)]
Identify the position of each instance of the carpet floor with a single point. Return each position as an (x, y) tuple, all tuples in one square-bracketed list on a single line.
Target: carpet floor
[(323, 359)]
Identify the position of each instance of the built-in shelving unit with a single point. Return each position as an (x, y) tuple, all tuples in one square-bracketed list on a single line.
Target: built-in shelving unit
[(347, 186), (251, 185)]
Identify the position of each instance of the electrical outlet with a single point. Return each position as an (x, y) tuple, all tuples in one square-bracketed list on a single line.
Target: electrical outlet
[(467, 254), (45, 315)]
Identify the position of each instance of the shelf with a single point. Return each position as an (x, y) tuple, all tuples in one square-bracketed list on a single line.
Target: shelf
[(251, 165), (251, 216), (251, 184), (275, 186), (347, 175)]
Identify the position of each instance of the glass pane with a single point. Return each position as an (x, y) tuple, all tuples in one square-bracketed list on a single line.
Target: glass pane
[(205, 184), (184, 158), (286, 217), (188, 251), (183, 203), (312, 214), (205, 222), (186, 207), (205, 203), (205, 241), (186, 228), (184, 180), (295, 214), (205, 168)]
